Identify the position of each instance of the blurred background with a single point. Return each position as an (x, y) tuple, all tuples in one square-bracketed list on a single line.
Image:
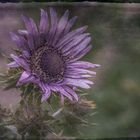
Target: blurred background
[(114, 1), (115, 29)]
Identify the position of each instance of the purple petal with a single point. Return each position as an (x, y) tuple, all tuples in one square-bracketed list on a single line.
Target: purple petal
[(21, 62), (54, 88), (34, 27), (32, 32), (81, 46), (54, 19), (47, 92), (69, 25), (74, 43), (80, 71), (65, 93), (31, 42), (45, 96), (61, 26), (20, 41), (44, 22), (77, 76), (35, 33), (76, 56), (26, 54), (30, 25), (71, 92), (13, 65), (70, 36), (26, 77), (23, 32), (62, 91), (78, 82), (83, 64)]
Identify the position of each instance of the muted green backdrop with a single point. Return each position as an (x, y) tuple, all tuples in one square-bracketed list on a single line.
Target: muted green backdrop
[(115, 29)]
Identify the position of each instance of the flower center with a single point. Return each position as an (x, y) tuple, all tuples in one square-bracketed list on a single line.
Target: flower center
[(48, 64)]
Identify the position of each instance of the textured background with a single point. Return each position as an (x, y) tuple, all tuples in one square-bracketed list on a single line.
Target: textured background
[(115, 30)]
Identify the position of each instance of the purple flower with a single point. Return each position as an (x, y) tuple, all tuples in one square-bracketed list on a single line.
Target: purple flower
[(50, 55)]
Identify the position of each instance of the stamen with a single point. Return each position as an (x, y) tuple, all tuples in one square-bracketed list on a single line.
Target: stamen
[(48, 64)]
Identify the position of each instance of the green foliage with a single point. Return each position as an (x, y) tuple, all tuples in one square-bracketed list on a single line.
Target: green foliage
[(9, 79), (5, 133), (35, 120)]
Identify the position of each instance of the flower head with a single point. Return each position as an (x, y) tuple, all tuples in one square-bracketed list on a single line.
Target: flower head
[(50, 55)]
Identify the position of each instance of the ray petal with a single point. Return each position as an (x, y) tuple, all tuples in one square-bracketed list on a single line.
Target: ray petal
[(46, 92), (70, 36), (53, 28), (26, 77), (71, 92), (21, 62), (83, 64), (77, 41), (13, 65), (70, 24), (78, 82), (44, 22), (81, 46), (77, 55), (20, 41), (61, 26), (65, 93)]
